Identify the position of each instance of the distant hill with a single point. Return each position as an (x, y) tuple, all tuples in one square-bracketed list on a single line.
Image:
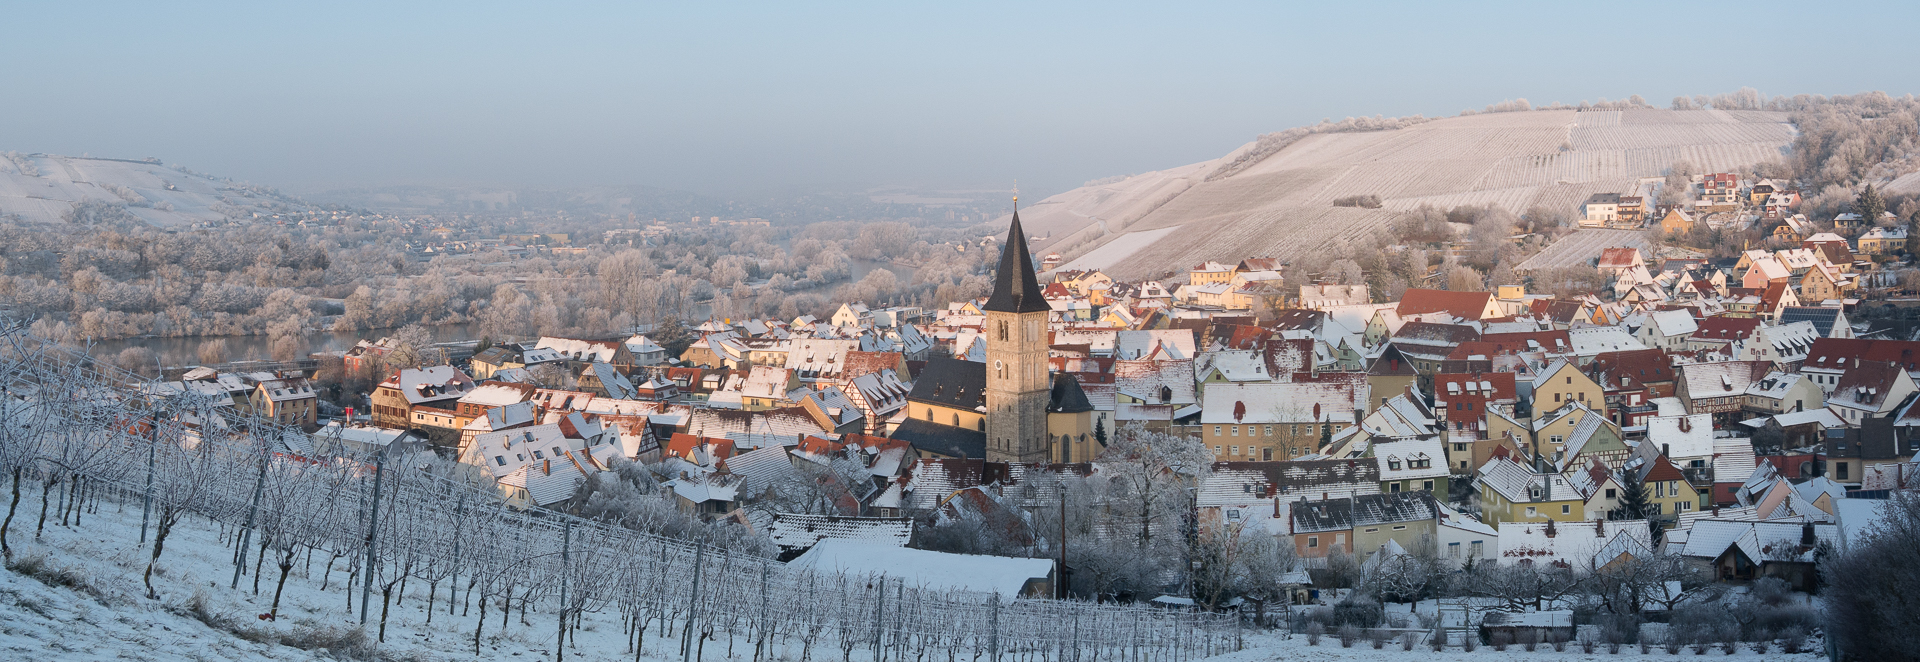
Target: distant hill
[(1259, 201), (42, 188)]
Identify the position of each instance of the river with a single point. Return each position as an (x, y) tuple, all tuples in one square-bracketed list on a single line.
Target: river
[(184, 351)]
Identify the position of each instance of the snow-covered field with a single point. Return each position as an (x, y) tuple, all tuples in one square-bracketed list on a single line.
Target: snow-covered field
[(108, 617), (41, 188), (1282, 206)]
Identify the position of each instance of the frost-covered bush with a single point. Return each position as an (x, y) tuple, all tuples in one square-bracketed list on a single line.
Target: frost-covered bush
[(1314, 630), (1348, 635)]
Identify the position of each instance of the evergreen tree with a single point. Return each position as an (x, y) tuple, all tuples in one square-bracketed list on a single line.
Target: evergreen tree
[(1870, 206), (1100, 430), (673, 336), (1633, 497)]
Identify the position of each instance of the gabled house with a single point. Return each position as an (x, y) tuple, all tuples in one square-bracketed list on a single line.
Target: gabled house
[(1561, 383), (1513, 492), (1870, 389), (1630, 380)]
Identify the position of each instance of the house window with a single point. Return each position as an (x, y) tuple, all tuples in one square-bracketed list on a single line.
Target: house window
[(500, 460), (1216, 430), (1566, 510), (1373, 530), (1427, 485), (1478, 550), (1269, 431), (1394, 487), (538, 456), (1453, 550), (1531, 512), (1610, 494), (1266, 454), (1840, 470), (1313, 541), (1233, 430)]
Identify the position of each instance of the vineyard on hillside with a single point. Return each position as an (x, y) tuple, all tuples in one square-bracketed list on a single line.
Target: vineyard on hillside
[(1281, 204)]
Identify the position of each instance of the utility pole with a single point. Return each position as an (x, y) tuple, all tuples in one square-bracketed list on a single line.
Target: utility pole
[(1060, 582), (253, 513), (146, 498), (373, 530), (693, 604), (566, 543)]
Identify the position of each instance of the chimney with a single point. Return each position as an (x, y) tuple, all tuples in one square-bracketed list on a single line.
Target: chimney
[(1807, 539), (1600, 528)]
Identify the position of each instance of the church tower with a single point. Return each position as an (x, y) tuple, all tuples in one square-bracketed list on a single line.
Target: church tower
[(1018, 383)]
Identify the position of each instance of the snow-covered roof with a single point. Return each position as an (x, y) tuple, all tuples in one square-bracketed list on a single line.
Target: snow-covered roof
[(1398, 459), (798, 531), (1575, 544), (1000, 575), (1682, 436)]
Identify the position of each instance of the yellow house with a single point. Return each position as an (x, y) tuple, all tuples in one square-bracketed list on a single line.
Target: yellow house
[(1558, 423), (1882, 241), (1562, 383), (1668, 492), (1208, 273), (1676, 222), (1513, 492)]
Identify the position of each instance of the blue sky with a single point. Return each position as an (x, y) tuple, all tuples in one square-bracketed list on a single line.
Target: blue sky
[(748, 97)]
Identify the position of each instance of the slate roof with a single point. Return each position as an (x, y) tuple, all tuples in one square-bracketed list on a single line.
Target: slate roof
[(1067, 398), (794, 531), (1234, 482), (951, 383), (941, 439), (1016, 289), (1363, 510)]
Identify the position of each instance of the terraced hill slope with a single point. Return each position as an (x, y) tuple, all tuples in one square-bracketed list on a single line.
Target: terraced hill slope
[(1283, 205), (40, 188)]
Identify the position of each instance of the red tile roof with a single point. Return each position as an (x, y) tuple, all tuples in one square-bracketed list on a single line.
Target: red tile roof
[(1466, 305)]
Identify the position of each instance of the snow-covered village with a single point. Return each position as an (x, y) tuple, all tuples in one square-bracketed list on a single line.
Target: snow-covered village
[(554, 340)]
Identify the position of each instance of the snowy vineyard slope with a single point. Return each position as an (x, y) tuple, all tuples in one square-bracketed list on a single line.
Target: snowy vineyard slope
[(328, 540), (41, 188), (1283, 205)]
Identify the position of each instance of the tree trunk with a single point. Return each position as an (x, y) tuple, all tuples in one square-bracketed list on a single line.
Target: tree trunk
[(5, 548), (431, 587), (479, 624), (286, 566), (46, 495), (159, 543), (386, 596), (327, 575), (259, 560)]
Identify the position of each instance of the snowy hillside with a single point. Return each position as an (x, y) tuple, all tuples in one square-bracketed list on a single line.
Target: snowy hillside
[(41, 188), (1282, 205)]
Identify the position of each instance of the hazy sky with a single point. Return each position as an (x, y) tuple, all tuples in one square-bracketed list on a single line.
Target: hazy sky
[(725, 96)]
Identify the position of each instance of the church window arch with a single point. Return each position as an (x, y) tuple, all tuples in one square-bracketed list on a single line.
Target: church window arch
[(1003, 329), (956, 420)]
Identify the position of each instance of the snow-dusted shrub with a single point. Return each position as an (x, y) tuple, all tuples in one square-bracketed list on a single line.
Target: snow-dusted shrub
[(1314, 630), (1762, 643), (1348, 635), (1378, 637), (340, 642), (1501, 640), (40, 568), (1470, 642), (1407, 641), (1792, 640)]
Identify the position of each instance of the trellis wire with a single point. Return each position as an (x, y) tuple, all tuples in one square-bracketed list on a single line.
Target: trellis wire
[(71, 418)]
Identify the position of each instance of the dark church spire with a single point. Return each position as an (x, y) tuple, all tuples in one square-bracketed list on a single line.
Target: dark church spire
[(1016, 289)]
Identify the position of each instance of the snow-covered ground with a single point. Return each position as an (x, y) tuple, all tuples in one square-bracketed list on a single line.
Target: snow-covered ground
[(101, 612)]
